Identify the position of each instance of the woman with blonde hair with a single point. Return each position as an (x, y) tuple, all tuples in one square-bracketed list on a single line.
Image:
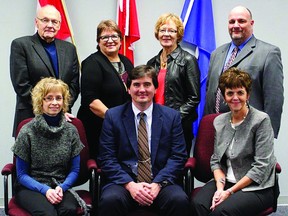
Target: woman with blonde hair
[(47, 151), (178, 73)]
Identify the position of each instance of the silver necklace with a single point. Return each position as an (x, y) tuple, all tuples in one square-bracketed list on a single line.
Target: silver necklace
[(243, 116)]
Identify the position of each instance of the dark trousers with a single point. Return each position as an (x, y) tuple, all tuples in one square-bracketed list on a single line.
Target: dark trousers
[(117, 201), (187, 126), (37, 204), (248, 203)]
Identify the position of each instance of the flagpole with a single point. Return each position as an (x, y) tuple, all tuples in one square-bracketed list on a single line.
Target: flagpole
[(124, 41), (68, 21), (70, 27)]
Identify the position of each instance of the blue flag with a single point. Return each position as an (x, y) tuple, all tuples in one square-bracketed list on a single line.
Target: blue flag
[(197, 17)]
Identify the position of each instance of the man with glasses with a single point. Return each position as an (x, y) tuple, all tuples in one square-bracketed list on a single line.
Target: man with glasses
[(42, 55)]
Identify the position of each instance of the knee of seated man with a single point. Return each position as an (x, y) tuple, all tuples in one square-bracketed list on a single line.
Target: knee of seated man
[(110, 197), (177, 196)]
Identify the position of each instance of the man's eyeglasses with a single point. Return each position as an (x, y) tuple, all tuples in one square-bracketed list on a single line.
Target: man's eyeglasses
[(105, 38), (51, 99), (46, 21), (169, 31)]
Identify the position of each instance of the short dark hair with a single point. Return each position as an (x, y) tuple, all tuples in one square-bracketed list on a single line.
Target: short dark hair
[(235, 78), (142, 71), (250, 13), (107, 25)]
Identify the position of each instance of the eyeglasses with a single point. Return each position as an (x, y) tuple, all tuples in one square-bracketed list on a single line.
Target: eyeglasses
[(105, 38), (51, 99), (169, 31), (46, 21)]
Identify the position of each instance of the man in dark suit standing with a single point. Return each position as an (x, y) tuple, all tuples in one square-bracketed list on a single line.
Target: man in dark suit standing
[(120, 156), (260, 59), (42, 55)]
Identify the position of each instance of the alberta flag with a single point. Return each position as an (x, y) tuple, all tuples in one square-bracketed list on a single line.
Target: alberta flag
[(197, 17)]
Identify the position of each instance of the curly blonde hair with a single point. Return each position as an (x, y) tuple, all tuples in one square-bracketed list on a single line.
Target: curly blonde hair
[(166, 17), (45, 86)]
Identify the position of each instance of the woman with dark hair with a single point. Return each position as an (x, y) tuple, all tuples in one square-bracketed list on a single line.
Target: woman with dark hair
[(243, 162), (103, 80)]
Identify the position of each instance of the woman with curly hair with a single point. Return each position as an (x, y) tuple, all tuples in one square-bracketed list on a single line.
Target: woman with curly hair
[(47, 151)]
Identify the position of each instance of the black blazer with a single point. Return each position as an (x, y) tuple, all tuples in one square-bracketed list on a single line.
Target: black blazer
[(29, 63), (100, 80)]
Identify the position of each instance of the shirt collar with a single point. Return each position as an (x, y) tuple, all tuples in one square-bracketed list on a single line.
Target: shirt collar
[(242, 45), (148, 111)]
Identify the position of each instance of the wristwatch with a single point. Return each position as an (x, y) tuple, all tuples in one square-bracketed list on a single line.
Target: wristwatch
[(164, 184)]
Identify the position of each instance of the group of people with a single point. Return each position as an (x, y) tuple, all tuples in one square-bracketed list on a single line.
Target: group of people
[(138, 121)]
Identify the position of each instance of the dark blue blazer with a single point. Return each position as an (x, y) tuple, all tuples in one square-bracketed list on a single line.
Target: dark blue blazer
[(118, 152)]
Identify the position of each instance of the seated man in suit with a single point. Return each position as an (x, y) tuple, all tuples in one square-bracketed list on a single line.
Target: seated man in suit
[(143, 171)]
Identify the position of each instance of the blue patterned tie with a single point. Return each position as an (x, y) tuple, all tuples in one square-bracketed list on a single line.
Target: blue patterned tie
[(227, 65)]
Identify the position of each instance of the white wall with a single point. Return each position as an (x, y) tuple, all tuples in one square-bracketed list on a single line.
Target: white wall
[(18, 20)]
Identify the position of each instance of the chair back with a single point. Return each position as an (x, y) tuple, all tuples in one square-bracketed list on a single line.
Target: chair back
[(21, 124), (84, 173), (204, 148)]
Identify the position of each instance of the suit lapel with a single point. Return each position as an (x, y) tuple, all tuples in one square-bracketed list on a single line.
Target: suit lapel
[(39, 49), (156, 128), (246, 50), (129, 124), (223, 54)]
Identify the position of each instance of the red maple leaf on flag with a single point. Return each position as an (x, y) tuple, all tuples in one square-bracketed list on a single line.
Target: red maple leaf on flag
[(128, 24), (64, 31)]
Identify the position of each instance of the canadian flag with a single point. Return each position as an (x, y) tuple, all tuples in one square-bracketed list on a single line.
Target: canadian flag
[(64, 31), (128, 24)]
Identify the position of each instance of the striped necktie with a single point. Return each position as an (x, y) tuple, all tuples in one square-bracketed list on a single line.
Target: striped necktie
[(144, 160), (227, 65)]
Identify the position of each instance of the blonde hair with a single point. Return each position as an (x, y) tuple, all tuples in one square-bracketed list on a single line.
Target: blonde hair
[(43, 87), (176, 19)]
